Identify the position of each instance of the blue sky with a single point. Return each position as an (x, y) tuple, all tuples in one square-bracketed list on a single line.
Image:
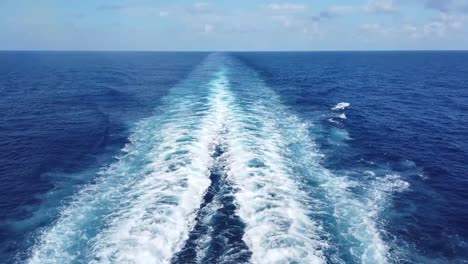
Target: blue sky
[(233, 25)]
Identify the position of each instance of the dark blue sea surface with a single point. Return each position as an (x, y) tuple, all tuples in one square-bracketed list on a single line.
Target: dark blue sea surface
[(408, 113), (259, 157), (64, 115)]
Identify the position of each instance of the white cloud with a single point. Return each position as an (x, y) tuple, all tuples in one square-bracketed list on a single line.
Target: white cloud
[(342, 9), (286, 6), (411, 30), (453, 21), (443, 24), (447, 5), (378, 29), (439, 27), (286, 21), (313, 31), (380, 7), (200, 5), (198, 8), (333, 12), (208, 28)]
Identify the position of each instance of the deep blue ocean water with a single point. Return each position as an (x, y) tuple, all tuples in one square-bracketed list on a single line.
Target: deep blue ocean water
[(262, 157)]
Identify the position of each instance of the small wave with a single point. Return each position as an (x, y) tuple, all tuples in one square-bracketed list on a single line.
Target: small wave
[(337, 119), (332, 120), (342, 116), (341, 106)]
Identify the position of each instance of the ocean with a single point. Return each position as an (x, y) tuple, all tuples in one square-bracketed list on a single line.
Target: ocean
[(234, 157)]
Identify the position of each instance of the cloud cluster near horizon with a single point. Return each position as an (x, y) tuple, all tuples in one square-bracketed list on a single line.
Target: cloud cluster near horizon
[(234, 25)]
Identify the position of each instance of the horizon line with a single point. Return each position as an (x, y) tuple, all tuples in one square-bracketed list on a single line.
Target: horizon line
[(208, 51)]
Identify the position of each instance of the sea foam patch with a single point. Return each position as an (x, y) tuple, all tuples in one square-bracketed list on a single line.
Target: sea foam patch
[(341, 106)]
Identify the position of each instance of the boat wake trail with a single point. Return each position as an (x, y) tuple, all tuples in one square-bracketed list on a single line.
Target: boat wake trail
[(225, 174), (217, 236)]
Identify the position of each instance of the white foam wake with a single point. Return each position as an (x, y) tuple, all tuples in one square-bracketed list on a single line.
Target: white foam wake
[(278, 229), (282, 186), (356, 216), (143, 206), (155, 225)]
